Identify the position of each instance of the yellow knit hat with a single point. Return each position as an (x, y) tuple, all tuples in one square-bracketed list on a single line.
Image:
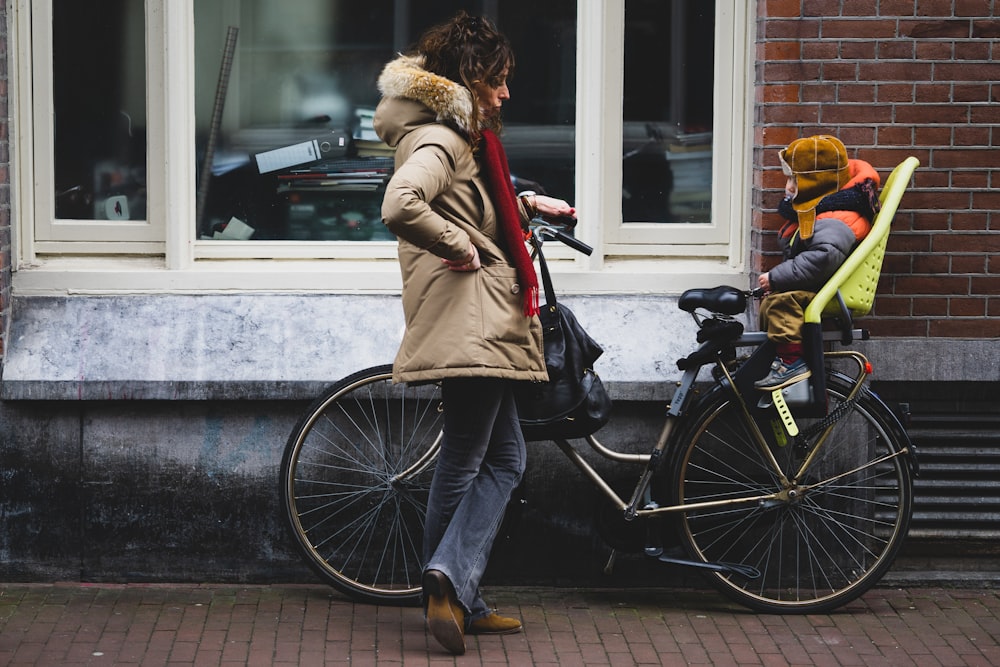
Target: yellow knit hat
[(819, 164)]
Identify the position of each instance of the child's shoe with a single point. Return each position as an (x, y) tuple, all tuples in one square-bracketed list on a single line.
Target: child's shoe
[(783, 374)]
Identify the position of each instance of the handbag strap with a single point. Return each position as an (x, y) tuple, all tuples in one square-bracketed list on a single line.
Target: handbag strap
[(550, 293)]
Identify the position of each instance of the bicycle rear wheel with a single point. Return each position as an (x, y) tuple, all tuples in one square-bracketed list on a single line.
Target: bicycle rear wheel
[(822, 540), (354, 480)]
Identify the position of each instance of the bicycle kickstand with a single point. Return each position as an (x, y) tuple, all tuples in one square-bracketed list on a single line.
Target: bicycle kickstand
[(610, 565), (746, 571)]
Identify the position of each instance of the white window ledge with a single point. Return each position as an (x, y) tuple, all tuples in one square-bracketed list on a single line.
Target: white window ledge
[(102, 275), (278, 346)]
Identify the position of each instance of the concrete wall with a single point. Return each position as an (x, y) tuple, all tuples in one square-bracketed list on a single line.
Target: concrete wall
[(188, 492), (272, 346), (141, 437)]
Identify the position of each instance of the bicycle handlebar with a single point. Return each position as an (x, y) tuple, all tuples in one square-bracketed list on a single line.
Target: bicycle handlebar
[(555, 229), (573, 242)]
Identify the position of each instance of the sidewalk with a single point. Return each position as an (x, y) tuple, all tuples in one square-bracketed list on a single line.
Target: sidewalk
[(76, 624)]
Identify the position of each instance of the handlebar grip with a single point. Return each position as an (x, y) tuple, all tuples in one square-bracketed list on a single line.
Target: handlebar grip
[(573, 242)]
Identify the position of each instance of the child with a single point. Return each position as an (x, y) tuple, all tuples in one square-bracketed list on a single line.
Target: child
[(829, 203)]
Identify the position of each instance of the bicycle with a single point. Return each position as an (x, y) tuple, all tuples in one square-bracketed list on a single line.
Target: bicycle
[(784, 513)]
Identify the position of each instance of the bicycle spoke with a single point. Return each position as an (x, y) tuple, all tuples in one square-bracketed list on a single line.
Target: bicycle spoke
[(722, 535), (818, 541), (356, 474)]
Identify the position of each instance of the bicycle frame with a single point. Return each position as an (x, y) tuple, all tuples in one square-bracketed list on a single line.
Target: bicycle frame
[(639, 504), (778, 521), (789, 501)]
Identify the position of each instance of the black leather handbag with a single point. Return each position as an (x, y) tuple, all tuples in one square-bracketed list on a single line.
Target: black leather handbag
[(573, 403)]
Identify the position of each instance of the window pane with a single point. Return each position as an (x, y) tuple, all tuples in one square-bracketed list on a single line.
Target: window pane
[(99, 92), (540, 117), (667, 167), (306, 70)]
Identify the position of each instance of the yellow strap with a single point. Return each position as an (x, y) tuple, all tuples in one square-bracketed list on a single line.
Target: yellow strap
[(779, 433), (784, 413)]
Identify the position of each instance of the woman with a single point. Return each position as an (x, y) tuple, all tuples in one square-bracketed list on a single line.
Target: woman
[(470, 296)]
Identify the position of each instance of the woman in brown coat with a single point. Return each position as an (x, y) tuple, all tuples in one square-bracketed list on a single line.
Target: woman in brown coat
[(470, 296)]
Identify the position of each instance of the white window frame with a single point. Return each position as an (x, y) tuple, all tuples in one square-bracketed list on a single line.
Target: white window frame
[(632, 237), (165, 255), (51, 233)]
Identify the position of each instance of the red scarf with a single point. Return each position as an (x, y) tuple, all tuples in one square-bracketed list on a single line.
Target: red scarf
[(497, 173)]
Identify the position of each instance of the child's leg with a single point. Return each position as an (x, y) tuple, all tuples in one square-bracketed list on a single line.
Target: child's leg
[(781, 316)]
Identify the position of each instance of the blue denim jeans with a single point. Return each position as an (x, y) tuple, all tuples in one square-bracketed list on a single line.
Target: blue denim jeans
[(480, 464)]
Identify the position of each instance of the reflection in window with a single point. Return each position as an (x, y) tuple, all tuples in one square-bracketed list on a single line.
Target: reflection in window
[(294, 157), (99, 91), (667, 166)]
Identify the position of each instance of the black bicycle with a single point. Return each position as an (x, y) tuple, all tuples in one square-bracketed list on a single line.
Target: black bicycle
[(787, 504)]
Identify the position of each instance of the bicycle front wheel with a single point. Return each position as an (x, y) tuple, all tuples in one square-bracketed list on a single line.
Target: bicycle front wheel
[(354, 481), (817, 542)]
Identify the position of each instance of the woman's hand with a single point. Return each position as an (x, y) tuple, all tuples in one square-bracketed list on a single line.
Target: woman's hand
[(550, 207), (468, 263)]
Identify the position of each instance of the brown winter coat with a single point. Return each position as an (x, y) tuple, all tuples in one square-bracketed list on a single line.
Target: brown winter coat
[(458, 324)]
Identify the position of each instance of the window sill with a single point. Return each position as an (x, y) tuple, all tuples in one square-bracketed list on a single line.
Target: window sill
[(102, 275)]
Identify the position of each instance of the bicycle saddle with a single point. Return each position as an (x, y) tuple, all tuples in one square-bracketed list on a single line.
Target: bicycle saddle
[(723, 299)]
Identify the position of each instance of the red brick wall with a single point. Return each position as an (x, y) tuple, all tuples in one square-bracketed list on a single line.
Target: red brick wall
[(893, 78)]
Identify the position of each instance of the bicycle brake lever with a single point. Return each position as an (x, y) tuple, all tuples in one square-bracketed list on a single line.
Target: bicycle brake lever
[(543, 231), (566, 221)]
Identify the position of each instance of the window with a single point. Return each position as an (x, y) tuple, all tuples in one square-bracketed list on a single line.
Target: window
[(681, 149), (96, 189), (150, 125), (294, 155), (667, 111)]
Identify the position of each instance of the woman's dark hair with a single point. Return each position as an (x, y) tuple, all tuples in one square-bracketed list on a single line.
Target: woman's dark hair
[(468, 50)]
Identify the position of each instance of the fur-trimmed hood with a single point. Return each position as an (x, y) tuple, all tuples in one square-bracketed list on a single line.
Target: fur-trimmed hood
[(405, 79)]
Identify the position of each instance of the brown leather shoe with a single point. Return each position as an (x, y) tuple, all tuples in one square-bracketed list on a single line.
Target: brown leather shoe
[(494, 624), (445, 618)]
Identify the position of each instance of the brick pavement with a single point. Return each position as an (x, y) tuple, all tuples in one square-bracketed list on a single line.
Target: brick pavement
[(79, 624)]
